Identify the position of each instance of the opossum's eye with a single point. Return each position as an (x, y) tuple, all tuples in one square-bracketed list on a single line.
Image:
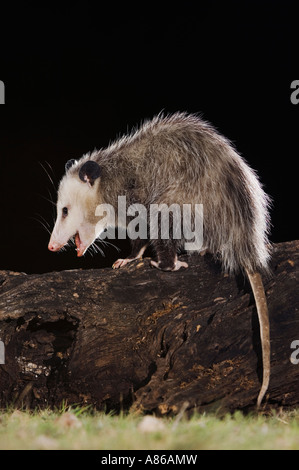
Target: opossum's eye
[(65, 212)]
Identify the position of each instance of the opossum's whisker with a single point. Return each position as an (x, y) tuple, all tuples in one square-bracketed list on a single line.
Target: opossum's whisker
[(51, 197), (89, 250), (47, 199), (52, 171), (106, 243), (48, 175), (71, 241), (93, 249), (96, 249), (43, 219), (42, 223)]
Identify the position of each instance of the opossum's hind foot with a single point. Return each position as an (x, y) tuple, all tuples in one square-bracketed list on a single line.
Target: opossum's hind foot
[(177, 265), (180, 264)]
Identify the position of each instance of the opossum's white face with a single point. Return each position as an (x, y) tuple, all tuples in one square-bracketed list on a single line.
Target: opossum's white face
[(76, 204)]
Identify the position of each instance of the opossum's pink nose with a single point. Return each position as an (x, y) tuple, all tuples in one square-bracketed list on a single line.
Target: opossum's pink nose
[(53, 246)]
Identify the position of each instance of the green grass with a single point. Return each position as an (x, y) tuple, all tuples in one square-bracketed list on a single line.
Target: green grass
[(82, 429)]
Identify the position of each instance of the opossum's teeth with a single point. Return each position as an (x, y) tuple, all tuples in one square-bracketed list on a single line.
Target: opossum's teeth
[(80, 248)]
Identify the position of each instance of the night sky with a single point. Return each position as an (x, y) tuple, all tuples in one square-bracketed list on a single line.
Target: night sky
[(76, 78)]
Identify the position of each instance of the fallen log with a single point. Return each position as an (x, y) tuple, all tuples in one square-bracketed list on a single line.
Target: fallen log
[(147, 340)]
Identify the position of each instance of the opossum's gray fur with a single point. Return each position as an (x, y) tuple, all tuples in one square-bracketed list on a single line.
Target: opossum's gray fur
[(182, 159)]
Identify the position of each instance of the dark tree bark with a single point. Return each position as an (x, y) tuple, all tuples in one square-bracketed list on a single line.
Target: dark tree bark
[(146, 339)]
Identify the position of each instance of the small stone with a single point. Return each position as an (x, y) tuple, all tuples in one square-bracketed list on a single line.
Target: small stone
[(151, 424)]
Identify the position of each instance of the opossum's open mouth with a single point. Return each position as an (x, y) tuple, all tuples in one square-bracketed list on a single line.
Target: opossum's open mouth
[(80, 247)]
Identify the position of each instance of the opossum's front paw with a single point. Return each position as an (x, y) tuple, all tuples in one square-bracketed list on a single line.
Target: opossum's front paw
[(180, 264), (120, 263), (177, 265)]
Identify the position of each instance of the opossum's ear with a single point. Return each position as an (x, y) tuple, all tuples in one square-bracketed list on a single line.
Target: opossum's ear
[(69, 163), (89, 172)]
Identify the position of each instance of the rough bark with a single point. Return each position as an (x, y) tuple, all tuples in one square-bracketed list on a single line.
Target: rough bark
[(150, 340)]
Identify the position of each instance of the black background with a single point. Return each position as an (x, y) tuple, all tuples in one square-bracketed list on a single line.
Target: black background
[(77, 76)]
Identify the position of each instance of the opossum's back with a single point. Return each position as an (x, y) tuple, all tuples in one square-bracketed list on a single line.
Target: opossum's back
[(186, 156), (187, 161)]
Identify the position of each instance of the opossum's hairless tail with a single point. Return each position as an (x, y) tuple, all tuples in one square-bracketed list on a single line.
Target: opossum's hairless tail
[(262, 311)]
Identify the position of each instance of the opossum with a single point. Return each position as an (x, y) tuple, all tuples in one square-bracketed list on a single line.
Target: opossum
[(174, 159)]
